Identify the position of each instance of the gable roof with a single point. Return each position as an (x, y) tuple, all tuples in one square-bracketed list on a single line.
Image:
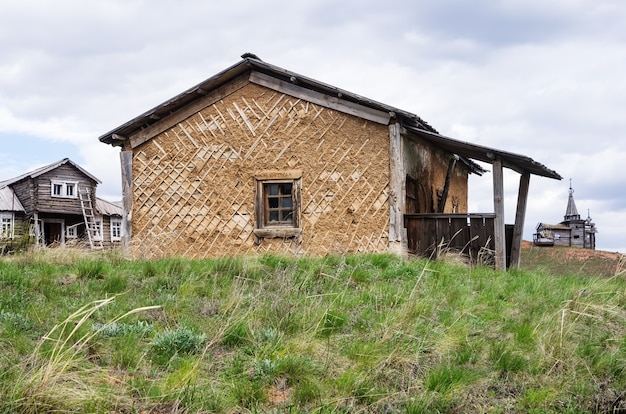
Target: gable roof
[(46, 168), (330, 96)]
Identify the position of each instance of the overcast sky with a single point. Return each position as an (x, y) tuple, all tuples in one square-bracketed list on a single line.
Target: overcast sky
[(546, 79)]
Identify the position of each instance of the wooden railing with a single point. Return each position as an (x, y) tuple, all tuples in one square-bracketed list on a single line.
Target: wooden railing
[(430, 235)]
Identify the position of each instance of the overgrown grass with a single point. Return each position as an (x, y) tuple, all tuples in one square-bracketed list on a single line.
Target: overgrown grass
[(361, 333)]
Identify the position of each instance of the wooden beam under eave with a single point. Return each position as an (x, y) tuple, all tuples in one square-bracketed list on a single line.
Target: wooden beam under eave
[(126, 162), (498, 208), (520, 214), (396, 190)]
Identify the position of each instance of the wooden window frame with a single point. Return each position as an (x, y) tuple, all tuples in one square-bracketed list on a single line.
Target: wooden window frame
[(116, 223), (10, 219), (71, 232), (99, 221), (63, 187), (264, 228)]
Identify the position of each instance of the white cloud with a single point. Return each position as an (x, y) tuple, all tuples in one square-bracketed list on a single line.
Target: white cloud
[(515, 75)]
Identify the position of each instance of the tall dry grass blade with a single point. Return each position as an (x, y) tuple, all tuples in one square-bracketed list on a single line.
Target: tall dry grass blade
[(62, 379)]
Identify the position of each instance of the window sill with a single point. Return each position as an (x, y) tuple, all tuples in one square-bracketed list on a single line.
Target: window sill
[(281, 233)]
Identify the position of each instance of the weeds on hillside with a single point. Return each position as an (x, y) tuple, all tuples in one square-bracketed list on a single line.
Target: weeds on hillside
[(54, 377), (361, 333)]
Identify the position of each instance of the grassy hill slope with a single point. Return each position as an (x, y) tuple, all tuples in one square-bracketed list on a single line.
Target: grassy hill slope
[(571, 261), (363, 333)]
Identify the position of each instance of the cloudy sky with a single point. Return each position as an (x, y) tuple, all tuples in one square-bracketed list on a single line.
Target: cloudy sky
[(543, 78)]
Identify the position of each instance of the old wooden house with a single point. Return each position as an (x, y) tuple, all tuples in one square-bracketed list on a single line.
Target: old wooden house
[(573, 231), (261, 159), (57, 204)]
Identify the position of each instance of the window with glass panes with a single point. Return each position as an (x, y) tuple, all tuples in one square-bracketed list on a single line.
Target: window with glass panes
[(6, 225), (64, 189), (116, 229), (279, 205)]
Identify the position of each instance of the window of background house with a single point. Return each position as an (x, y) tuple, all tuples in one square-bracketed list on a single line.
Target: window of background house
[(6, 225), (65, 189), (70, 189), (277, 204), (98, 235), (70, 232), (116, 229)]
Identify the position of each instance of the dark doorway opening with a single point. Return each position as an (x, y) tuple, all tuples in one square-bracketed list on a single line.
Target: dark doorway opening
[(52, 232)]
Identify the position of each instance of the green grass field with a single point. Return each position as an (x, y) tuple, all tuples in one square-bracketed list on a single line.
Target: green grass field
[(83, 332)]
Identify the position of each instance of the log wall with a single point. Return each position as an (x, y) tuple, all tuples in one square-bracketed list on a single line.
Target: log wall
[(44, 200)]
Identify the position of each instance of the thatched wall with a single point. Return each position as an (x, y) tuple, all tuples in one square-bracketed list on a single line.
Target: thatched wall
[(194, 189)]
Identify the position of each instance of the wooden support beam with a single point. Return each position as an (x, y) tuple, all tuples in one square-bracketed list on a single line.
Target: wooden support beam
[(498, 207), (396, 190), (446, 187), (520, 214), (126, 161)]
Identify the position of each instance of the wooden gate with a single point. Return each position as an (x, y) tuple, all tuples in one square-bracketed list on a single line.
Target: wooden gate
[(430, 235)]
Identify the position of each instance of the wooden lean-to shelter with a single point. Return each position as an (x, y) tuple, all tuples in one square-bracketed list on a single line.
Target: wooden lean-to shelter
[(261, 159)]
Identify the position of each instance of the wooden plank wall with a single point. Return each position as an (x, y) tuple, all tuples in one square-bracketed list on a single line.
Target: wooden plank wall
[(25, 193), (432, 234)]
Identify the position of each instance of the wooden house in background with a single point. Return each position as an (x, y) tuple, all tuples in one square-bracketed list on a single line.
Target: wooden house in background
[(57, 204), (261, 159), (572, 231)]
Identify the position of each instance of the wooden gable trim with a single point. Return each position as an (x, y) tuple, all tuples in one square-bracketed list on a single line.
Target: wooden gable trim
[(318, 98), (171, 120)]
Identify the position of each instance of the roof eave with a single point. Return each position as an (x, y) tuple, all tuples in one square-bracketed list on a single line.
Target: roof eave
[(516, 162)]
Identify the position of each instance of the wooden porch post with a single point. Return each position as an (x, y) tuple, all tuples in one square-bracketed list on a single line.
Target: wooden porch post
[(520, 214), (397, 243), (498, 206), (126, 158)]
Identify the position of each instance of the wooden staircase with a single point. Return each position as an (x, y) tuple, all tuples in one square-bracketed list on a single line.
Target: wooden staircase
[(93, 230)]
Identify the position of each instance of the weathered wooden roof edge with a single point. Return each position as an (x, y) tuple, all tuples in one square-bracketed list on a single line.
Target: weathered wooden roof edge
[(516, 162), (46, 168), (409, 120)]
